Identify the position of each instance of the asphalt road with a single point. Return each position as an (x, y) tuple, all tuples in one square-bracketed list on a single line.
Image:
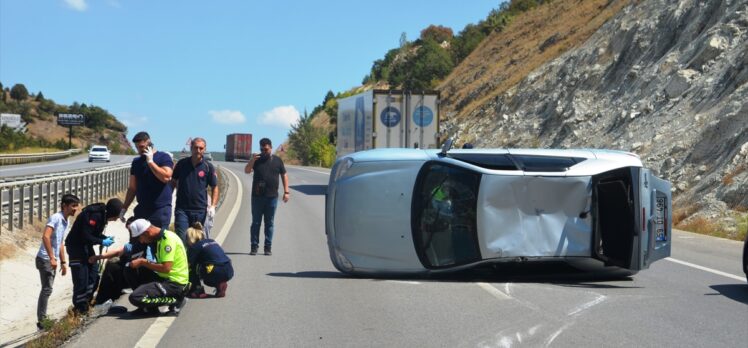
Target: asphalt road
[(63, 165), (296, 298)]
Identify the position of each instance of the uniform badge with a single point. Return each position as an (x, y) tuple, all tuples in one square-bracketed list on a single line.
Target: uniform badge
[(167, 249), (92, 222), (201, 173), (209, 268)]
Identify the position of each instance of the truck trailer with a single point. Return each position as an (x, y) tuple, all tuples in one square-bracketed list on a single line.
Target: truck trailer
[(388, 118), (238, 147)]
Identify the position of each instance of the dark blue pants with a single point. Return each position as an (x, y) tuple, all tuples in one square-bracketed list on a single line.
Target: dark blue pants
[(212, 276), (85, 278), (160, 217), (262, 207), (183, 219)]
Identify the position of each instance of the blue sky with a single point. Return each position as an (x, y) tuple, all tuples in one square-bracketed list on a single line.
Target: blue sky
[(181, 69)]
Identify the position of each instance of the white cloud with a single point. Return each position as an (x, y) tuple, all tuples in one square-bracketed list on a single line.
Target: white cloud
[(132, 120), (78, 5), (281, 116), (227, 116)]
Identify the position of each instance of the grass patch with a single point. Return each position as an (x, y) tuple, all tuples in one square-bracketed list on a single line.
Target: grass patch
[(682, 213), (743, 227), (710, 227), (31, 150), (57, 332)]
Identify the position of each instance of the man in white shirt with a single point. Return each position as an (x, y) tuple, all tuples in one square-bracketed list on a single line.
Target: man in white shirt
[(51, 247)]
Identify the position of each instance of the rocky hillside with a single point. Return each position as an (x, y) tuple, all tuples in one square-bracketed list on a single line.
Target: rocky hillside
[(665, 79), (39, 115)]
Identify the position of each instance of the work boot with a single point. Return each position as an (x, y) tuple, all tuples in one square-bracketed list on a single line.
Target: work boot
[(254, 250), (267, 251)]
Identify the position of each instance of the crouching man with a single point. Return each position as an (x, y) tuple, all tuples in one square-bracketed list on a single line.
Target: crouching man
[(171, 267)]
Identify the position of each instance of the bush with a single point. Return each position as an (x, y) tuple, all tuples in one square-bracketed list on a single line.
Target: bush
[(19, 92), (437, 33)]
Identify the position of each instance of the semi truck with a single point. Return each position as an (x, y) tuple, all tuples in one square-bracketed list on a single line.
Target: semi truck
[(238, 147), (381, 118)]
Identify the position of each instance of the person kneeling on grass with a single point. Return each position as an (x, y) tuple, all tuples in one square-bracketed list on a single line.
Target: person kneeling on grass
[(208, 263), (170, 266)]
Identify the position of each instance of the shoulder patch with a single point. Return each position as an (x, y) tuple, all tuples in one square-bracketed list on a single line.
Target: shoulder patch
[(92, 222), (167, 248)]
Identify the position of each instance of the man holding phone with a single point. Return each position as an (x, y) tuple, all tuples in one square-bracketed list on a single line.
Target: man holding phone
[(267, 168), (149, 183)]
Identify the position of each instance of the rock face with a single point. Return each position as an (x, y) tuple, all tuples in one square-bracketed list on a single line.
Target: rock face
[(663, 79)]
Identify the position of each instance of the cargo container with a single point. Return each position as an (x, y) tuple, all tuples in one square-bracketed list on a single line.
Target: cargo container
[(388, 118), (238, 147)]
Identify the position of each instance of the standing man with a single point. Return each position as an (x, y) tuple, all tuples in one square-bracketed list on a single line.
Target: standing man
[(191, 177), (170, 266), (52, 246), (87, 231), (267, 168), (149, 183)]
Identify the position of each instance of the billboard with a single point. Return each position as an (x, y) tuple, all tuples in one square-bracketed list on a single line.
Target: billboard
[(10, 120), (70, 120)]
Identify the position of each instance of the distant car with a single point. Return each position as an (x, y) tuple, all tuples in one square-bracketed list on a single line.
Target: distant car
[(207, 156), (410, 211), (99, 153)]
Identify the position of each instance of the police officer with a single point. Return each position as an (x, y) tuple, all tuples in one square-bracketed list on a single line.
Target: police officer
[(170, 266), (87, 231)]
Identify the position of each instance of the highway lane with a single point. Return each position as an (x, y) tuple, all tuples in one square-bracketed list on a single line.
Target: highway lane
[(67, 164), (297, 298)]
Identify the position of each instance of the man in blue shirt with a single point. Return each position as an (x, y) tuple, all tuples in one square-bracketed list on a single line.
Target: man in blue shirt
[(149, 183), (51, 247), (192, 176)]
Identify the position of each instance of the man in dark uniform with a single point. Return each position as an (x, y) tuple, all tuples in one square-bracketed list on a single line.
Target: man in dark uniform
[(267, 168), (149, 183), (87, 231), (191, 177)]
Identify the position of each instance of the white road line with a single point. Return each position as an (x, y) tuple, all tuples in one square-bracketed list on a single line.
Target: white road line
[(310, 170), (600, 298), (158, 329), (494, 291), (710, 270)]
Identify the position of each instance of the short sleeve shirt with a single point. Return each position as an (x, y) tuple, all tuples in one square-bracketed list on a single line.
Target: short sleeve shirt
[(192, 183), (169, 248), (59, 224), (267, 171), (151, 192)]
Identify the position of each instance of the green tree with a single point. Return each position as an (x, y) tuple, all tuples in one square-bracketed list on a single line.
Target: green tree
[(423, 71), (466, 41), (19, 92), (39, 96)]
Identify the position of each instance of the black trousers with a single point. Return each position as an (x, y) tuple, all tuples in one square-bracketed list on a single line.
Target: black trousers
[(85, 278), (117, 277), (158, 293)]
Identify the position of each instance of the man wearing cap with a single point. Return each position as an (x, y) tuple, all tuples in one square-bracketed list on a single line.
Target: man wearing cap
[(149, 183), (87, 231), (171, 267)]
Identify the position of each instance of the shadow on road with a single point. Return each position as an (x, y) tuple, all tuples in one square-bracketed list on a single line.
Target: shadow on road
[(309, 274), (551, 274), (735, 292), (311, 190)]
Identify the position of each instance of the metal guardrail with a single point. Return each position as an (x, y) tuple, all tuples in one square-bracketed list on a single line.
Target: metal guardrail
[(22, 201), (7, 159)]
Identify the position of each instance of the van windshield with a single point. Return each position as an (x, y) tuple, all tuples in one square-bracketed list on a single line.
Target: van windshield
[(444, 215)]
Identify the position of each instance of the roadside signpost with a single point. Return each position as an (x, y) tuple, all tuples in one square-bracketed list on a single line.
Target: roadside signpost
[(70, 120)]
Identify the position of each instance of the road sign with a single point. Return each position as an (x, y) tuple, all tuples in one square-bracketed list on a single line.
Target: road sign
[(70, 119)]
